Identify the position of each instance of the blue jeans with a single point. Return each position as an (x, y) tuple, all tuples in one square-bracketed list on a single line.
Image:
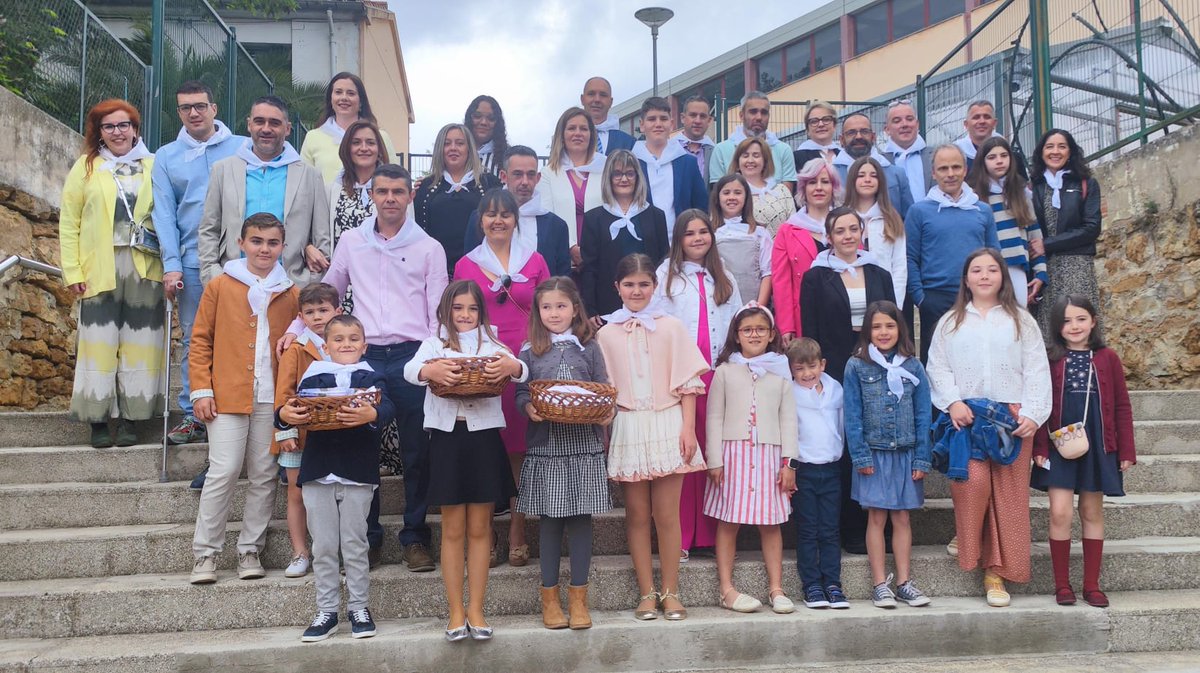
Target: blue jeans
[(414, 444), (817, 505), (187, 302)]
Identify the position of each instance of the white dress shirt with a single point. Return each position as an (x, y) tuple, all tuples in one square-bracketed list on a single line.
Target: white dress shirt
[(821, 425), (684, 304)]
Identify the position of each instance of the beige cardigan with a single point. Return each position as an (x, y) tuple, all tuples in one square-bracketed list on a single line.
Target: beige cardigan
[(729, 397)]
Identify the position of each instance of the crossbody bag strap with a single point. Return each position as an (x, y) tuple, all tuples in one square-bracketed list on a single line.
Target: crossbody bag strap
[(1087, 401)]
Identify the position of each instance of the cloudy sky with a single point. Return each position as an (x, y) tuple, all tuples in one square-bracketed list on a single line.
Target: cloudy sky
[(534, 55)]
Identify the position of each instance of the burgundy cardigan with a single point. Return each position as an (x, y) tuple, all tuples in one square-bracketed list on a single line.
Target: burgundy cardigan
[(1115, 410)]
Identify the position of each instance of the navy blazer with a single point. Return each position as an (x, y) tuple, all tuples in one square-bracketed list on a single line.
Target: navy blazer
[(551, 241), (618, 140), (896, 180), (597, 276), (825, 311), (689, 188)]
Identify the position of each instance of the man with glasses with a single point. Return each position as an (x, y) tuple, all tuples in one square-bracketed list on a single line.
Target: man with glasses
[(756, 114), (266, 175), (180, 181), (907, 149), (858, 141)]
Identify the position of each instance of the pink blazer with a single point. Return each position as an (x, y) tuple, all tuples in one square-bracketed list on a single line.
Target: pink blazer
[(793, 252)]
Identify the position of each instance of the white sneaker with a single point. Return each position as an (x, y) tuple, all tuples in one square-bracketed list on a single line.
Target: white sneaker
[(298, 567), (205, 570), (249, 567)]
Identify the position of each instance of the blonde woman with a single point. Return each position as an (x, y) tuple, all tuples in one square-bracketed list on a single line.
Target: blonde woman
[(450, 193)]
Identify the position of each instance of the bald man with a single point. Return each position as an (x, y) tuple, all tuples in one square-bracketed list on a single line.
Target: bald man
[(597, 100)]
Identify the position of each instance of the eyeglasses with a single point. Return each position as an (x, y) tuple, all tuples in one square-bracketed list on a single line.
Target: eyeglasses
[(827, 119), (198, 107), (899, 101), (855, 133), (754, 331), (624, 175), (123, 127), (505, 284)]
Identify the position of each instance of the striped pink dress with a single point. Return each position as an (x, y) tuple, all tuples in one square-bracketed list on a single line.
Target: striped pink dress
[(749, 492)]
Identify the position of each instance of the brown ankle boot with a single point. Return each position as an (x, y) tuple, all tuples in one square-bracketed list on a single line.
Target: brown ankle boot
[(552, 614), (577, 606)]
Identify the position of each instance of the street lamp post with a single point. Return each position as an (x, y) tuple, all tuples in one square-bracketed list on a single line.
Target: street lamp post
[(654, 17)]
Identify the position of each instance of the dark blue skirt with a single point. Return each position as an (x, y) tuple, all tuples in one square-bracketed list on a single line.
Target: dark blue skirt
[(1094, 471)]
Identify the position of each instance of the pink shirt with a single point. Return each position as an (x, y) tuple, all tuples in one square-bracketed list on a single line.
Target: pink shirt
[(396, 292)]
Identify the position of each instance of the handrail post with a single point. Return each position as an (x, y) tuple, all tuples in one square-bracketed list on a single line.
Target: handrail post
[(83, 74), (231, 54), (1039, 43), (1138, 45), (921, 105), (154, 105), (1000, 100)]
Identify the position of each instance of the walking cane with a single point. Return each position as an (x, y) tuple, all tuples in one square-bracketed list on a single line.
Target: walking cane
[(162, 476)]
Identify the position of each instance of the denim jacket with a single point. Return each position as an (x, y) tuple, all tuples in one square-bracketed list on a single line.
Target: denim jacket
[(989, 437), (876, 420)]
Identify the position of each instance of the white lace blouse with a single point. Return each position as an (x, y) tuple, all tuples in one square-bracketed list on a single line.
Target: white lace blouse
[(984, 358)]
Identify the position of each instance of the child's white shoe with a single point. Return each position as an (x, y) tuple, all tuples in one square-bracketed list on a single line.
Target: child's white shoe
[(298, 567), (742, 603)]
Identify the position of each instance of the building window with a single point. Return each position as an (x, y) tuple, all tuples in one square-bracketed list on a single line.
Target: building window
[(908, 16), (871, 28), (731, 86), (940, 10), (798, 59), (770, 71), (735, 83), (827, 47)]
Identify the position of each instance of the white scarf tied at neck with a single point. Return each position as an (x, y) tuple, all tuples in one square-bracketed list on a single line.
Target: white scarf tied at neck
[(739, 134), (828, 260), (336, 132), (135, 154), (253, 163), (895, 373), (804, 221), (457, 186), (596, 165), (733, 226), (196, 148), (341, 373), (310, 337), (1054, 180), (261, 289), (763, 191), (967, 200), (610, 123), (527, 215), (487, 148), (624, 219), (468, 341), (811, 144), (645, 316), (901, 153), (410, 232), (518, 255), (686, 141), (766, 363), (996, 186), (843, 158)]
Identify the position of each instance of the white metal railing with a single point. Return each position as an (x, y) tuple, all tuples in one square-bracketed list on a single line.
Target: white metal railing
[(32, 264)]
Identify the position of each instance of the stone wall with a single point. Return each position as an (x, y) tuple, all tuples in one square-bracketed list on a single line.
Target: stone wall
[(37, 330), (1148, 264)]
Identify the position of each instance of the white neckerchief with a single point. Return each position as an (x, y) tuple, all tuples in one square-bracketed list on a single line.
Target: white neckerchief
[(810, 144), (461, 184), (596, 165), (1055, 181), (895, 373), (968, 146), (671, 152), (253, 163), (362, 188), (828, 260), (261, 289), (967, 200), (684, 141), (767, 363), (801, 219), (410, 232), (310, 337), (341, 373), (518, 255), (843, 158), (487, 148), (624, 219), (135, 154), (468, 341), (527, 215), (771, 182), (610, 123), (733, 227), (901, 153), (565, 337), (872, 213), (996, 186), (645, 316), (196, 148), (739, 134), (336, 132)]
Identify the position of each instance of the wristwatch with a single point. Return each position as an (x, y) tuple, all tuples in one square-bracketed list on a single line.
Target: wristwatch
[(792, 464)]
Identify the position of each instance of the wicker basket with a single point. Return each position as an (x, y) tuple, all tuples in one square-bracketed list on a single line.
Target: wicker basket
[(573, 408), (473, 383), (322, 411)]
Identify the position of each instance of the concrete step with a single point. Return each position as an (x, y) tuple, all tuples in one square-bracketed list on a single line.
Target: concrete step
[(1165, 405), (1166, 437), (49, 464), (166, 602), (1109, 662), (82, 504), (55, 428), (709, 638), (1167, 473)]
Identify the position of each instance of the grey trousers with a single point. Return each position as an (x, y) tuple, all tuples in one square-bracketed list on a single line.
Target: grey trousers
[(337, 518)]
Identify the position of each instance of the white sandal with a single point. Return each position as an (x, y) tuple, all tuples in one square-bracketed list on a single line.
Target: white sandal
[(742, 603)]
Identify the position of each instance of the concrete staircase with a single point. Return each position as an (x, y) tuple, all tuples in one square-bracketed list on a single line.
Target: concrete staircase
[(95, 552)]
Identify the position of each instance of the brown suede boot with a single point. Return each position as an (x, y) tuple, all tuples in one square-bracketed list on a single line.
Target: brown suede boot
[(552, 614), (577, 606)]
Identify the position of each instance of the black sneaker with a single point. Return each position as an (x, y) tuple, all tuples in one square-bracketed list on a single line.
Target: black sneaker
[(374, 557), (361, 624), (325, 624), (198, 482)]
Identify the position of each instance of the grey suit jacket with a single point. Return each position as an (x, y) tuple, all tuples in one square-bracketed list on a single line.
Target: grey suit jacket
[(306, 219)]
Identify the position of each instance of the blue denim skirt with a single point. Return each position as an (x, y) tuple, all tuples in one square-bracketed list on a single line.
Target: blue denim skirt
[(892, 485)]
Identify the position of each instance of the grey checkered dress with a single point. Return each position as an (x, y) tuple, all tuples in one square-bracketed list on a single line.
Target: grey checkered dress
[(564, 473)]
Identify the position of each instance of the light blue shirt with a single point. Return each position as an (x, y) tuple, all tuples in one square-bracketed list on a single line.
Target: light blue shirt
[(266, 189), (179, 188), (914, 167)]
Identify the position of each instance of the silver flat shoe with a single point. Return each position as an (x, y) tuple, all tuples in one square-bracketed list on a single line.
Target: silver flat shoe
[(675, 615), (479, 632), (652, 613), (455, 635)]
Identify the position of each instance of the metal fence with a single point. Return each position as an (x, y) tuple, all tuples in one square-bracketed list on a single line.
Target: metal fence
[(63, 59), (419, 164)]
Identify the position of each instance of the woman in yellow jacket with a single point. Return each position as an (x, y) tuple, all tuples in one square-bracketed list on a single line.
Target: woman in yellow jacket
[(110, 260)]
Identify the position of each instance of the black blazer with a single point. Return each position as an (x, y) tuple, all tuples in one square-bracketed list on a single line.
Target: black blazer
[(444, 215), (825, 311), (1078, 218), (601, 253), (551, 241)]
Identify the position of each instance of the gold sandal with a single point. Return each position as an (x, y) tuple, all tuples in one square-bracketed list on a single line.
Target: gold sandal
[(518, 556), (652, 613), (673, 615), (997, 596)]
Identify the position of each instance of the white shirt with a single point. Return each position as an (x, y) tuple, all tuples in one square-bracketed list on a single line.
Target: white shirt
[(684, 304), (441, 413), (660, 177), (264, 378), (820, 421), (891, 256), (984, 358)]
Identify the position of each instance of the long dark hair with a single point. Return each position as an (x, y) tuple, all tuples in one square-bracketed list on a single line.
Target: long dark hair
[(538, 336), (904, 344), (732, 346), (1007, 296), (980, 181), (445, 319), (1058, 315), (893, 222), (499, 131), (722, 288), (714, 201), (1075, 162), (348, 176), (364, 105)]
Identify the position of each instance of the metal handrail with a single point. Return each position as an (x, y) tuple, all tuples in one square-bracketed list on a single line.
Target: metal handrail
[(26, 263)]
